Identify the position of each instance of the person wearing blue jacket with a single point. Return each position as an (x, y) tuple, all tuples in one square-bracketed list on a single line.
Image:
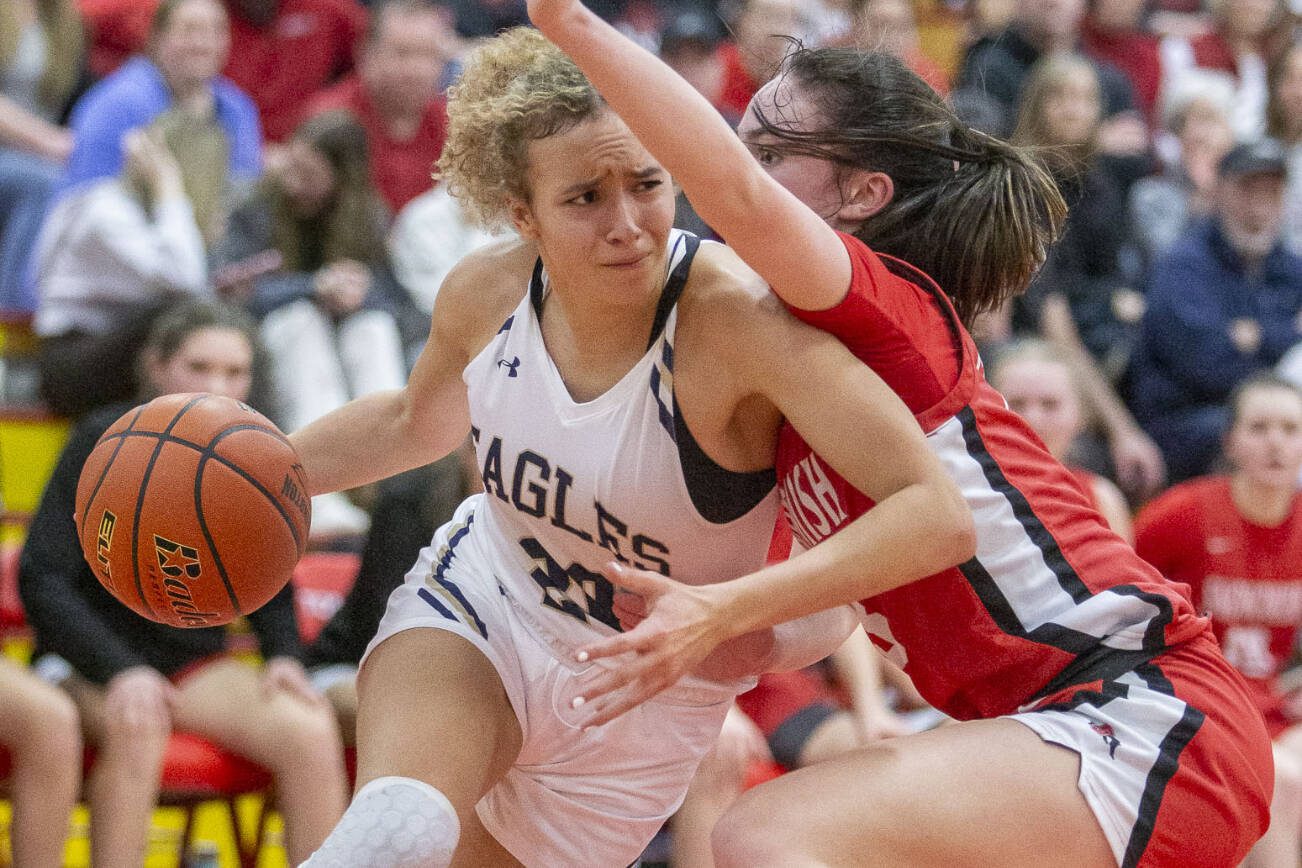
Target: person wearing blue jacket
[(1223, 305), (188, 44)]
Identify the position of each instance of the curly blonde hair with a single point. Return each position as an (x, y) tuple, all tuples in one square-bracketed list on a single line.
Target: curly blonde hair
[(516, 88)]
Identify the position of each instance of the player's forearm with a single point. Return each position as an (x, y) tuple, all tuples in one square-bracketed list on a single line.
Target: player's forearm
[(914, 533), (367, 439)]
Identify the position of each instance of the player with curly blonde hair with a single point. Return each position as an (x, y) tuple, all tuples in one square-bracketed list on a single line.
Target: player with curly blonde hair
[(612, 417)]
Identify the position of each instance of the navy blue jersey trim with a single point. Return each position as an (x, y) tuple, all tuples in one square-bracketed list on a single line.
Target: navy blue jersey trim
[(445, 562), (1168, 762), (674, 286), (424, 594)]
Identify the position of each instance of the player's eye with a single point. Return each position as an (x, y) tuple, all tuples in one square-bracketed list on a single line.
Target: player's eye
[(587, 197), (766, 156)]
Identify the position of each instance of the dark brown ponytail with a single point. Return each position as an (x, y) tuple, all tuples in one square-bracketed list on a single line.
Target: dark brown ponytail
[(974, 212)]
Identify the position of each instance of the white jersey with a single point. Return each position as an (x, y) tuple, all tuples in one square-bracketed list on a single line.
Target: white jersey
[(568, 486)]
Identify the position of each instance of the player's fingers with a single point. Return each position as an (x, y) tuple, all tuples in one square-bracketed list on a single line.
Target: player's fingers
[(644, 583), (611, 647), (612, 705), (629, 601)]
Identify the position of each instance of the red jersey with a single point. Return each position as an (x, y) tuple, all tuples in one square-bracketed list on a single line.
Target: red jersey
[(306, 46), (1052, 598), (400, 169), (115, 30), (1086, 480), (1248, 578)]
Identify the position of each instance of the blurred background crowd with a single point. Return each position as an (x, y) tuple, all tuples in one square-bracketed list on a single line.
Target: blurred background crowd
[(276, 155)]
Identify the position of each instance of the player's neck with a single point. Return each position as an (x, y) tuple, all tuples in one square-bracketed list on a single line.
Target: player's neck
[(1264, 505)]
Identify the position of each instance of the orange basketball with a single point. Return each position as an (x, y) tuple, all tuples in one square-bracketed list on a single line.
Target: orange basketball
[(192, 510)]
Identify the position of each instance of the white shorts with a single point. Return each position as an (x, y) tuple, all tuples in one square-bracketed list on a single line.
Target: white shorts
[(1174, 770), (573, 798)]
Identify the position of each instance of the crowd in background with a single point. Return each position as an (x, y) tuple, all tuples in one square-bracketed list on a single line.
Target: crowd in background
[(276, 154)]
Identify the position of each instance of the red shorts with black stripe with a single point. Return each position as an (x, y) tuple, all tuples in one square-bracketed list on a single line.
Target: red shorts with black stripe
[(1175, 759)]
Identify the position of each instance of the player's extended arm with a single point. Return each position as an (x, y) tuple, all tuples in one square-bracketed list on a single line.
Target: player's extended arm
[(385, 433), (787, 243), (920, 524)]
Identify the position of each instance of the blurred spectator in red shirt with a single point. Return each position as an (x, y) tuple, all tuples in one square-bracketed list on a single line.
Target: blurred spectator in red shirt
[(1113, 31), (395, 94), (284, 51), (116, 30), (758, 48)]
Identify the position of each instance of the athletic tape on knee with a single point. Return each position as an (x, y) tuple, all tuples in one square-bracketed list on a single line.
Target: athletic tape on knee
[(393, 822)]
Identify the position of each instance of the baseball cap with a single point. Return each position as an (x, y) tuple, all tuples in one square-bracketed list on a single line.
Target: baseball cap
[(690, 25), (1264, 156)]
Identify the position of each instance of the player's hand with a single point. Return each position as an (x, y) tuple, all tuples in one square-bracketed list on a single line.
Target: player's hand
[(629, 608), (1139, 464), (679, 632), (543, 12), (287, 675), (141, 698)]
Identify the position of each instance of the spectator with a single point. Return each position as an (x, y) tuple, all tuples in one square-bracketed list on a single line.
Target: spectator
[(1242, 41), (1061, 112), (1081, 301), (1222, 306), (1113, 32), (757, 49), (328, 320), (1284, 123), (1196, 134), (998, 65), (395, 97), (689, 42), (1236, 541), (284, 51), (890, 26), (116, 30), (114, 252), (430, 235), (135, 681), (1038, 384), (39, 729), (40, 66), (188, 44)]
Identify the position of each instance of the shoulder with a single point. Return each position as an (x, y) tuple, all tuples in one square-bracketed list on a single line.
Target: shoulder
[(481, 291), (132, 88), (724, 289), (1180, 499), (230, 97)]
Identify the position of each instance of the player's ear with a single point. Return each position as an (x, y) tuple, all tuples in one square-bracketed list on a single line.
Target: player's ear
[(863, 194), (522, 218)]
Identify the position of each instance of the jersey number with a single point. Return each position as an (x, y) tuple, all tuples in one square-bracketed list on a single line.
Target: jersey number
[(575, 590)]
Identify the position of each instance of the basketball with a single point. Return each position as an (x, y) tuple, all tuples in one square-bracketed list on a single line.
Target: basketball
[(192, 510)]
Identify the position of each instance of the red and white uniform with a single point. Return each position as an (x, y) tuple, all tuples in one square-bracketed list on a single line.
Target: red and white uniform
[(1055, 615), (1247, 578)]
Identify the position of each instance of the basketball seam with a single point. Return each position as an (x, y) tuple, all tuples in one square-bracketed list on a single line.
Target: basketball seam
[(103, 474), (207, 453), (212, 544), (140, 498)]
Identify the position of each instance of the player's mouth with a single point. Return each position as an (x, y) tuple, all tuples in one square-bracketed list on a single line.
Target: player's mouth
[(628, 263)]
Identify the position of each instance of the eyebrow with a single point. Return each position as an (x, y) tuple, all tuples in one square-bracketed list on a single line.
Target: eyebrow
[(581, 186)]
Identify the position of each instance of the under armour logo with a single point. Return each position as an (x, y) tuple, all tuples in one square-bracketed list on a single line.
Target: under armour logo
[(510, 366)]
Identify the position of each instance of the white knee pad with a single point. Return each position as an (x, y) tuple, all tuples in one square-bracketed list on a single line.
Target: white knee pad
[(393, 822)]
